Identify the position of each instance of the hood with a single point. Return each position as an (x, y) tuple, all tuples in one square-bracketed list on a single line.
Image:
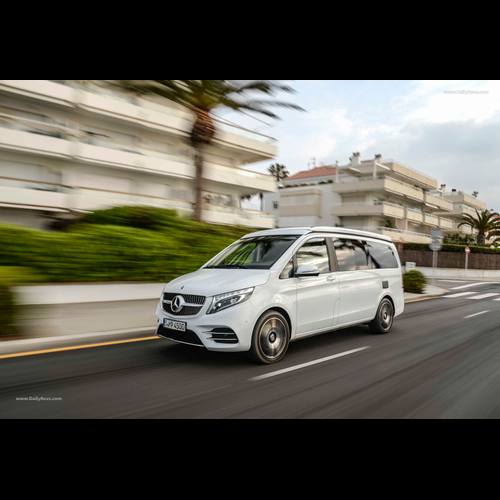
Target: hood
[(210, 282)]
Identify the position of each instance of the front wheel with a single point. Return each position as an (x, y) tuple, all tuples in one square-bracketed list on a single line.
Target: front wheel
[(382, 322), (270, 339)]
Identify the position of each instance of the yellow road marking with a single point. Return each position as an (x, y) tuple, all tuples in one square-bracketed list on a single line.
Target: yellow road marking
[(31, 353), (424, 298)]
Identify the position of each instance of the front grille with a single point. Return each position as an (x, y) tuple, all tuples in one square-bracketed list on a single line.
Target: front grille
[(188, 337), (187, 310), (191, 299)]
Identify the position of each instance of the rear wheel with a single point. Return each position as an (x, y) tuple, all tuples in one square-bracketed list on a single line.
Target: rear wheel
[(382, 322), (270, 339)]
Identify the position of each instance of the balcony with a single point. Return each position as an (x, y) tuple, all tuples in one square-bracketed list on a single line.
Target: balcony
[(431, 220), (33, 199), (438, 201), (459, 211), (377, 208), (300, 201), (445, 223), (405, 236), (461, 229), (398, 235), (64, 199), (380, 184), (426, 181), (415, 215), (52, 139), (219, 214), (90, 97), (464, 198)]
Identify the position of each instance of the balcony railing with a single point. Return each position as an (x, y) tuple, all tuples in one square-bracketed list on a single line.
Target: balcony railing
[(390, 160), (242, 212), (383, 177), (72, 132), (114, 93), (381, 229)]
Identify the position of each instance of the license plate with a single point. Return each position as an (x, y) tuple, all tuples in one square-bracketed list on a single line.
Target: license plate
[(174, 325)]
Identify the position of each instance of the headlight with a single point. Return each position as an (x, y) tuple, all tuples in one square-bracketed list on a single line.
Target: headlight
[(225, 300)]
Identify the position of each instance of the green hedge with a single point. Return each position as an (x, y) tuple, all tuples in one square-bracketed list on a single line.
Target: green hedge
[(91, 252), (10, 276), (414, 281), (452, 248)]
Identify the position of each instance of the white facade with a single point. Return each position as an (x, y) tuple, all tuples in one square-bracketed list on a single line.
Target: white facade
[(80, 146), (377, 195)]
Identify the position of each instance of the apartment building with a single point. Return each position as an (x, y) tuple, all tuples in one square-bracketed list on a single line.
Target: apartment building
[(463, 203), (376, 195), (69, 146)]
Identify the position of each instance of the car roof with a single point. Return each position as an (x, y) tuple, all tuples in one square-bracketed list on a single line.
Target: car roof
[(299, 231)]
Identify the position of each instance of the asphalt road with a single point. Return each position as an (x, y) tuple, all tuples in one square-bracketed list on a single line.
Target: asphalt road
[(441, 360)]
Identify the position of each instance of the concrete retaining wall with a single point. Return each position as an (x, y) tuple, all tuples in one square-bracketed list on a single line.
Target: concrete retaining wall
[(52, 310)]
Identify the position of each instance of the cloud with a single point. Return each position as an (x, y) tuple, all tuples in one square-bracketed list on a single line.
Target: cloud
[(462, 154)]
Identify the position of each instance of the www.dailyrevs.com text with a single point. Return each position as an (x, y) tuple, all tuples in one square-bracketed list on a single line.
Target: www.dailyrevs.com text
[(38, 398)]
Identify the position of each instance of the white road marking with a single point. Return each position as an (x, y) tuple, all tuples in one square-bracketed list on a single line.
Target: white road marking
[(303, 365), (455, 281), (458, 295), (483, 296), (472, 315), (472, 284)]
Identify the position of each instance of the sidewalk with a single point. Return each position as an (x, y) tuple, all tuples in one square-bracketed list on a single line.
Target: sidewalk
[(429, 291)]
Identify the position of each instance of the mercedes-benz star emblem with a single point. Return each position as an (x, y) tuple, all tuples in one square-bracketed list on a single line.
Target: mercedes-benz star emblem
[(177, 303)]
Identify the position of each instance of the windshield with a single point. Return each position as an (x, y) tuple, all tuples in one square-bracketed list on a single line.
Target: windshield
[(253, 253)]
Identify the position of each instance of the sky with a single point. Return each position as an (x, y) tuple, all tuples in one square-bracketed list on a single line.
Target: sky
[(454, 137)]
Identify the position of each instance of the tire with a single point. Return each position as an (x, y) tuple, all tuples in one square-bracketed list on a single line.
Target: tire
[(270, 339), (382, 323)]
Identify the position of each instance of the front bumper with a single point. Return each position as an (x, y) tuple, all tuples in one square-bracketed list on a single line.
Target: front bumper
[(229, 330)]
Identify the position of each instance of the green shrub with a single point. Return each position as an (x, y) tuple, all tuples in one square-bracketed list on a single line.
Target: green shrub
[(135, 216), (10, 276), (93, 252), (414, 281), (7, 311)]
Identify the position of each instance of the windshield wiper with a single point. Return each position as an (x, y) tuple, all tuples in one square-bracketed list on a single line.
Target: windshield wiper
[(230, 266)]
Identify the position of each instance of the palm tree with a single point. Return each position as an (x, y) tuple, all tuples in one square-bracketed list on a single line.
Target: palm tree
[(486, 223), (279, 171), (201, 97)]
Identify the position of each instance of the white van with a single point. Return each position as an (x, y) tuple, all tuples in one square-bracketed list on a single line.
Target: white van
[(273, 287)]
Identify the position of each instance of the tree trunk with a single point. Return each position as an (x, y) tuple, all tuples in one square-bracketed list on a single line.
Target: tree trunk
[(201, 134), (481, 239), (198, 163)]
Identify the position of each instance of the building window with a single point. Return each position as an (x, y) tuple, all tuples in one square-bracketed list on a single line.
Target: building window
[(275, 205)]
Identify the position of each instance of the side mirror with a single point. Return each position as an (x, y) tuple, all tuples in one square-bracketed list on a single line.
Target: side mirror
[(307, 270)]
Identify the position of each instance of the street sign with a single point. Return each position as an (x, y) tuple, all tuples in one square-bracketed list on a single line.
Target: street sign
[(435, 245), (411, 265), (467, 250), (437, 239)]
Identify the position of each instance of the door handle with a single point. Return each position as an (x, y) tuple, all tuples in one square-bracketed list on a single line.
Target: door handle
[(331, 278)]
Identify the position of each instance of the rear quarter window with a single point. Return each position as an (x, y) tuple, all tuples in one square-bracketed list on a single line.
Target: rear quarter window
[(382, 256)]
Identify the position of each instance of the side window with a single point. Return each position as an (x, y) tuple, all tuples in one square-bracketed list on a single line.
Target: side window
[(352, 255), (361, 255), (382, 256), (287, 271), (314, 252)]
